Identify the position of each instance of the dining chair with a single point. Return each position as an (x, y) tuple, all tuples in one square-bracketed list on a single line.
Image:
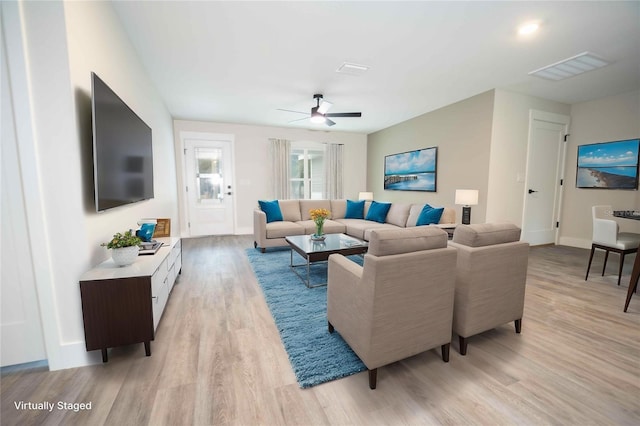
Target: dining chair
[(607, 237)]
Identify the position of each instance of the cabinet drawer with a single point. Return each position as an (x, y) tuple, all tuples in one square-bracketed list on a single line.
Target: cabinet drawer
[(158, 278), (159, 301)]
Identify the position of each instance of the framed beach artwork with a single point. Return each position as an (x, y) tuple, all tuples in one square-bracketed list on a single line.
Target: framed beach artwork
[(411, 171), (608, 165)]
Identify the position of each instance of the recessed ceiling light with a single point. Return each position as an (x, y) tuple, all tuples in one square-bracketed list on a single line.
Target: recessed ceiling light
[(528, 28), (570, 67), (352, 69)]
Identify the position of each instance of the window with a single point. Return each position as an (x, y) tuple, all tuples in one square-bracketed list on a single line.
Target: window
[(307, 170), (208, 175)]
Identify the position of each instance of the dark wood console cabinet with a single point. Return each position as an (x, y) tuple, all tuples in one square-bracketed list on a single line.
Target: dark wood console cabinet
[(123, 305)]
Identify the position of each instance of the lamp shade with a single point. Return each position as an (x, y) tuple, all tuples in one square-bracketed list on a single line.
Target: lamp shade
[(467, 197), (365, 196)]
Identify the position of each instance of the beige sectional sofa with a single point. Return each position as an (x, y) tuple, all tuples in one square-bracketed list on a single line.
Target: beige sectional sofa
[(296, 220)]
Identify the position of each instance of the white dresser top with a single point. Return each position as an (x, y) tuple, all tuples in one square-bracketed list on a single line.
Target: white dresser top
[(144, 266)]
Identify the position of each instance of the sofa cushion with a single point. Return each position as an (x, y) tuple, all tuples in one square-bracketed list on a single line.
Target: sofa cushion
[(271, 209), (398, 214), (429, 215), (448, 216), (378, 211), (357, 227), (385, 242), (329, 227), (486, 234), (306, 205), (375, 225), (290, 210), (338, 209), (283, 229), (354, 210), (414, 212)]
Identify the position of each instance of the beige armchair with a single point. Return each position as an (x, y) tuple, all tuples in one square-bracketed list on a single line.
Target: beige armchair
[(490, 278), (400, 303)]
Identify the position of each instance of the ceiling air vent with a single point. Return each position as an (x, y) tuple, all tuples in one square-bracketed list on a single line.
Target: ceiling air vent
[(570, 67), (352, 69)]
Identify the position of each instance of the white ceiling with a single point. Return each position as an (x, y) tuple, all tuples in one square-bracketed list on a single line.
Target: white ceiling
[(240, 61)]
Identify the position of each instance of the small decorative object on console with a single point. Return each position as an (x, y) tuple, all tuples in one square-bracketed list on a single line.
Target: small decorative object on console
[(125, 248), (319, 216)]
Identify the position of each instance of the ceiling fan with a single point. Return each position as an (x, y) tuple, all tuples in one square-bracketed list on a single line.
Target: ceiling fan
[(319, 112)]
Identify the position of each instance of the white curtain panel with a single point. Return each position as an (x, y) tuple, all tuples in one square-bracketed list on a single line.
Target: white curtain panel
[(280, 152), (333, 171)]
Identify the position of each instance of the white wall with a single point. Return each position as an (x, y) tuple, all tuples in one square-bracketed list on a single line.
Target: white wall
[(63, 43), (609, 119), (253, 171), (508, 159)]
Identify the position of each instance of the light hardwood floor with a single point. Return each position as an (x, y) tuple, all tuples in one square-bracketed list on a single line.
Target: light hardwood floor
[(217, 359)]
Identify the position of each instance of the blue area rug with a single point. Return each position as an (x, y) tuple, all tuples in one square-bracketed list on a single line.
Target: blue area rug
[(300, 314)]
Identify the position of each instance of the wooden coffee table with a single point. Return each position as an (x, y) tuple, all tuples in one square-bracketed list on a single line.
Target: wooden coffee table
[(319, 251)]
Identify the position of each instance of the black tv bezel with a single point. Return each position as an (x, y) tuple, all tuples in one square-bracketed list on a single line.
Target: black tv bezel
[(101, 207)]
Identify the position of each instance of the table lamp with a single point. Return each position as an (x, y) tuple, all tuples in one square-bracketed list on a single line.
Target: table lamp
[(466, 198), (368, 196)]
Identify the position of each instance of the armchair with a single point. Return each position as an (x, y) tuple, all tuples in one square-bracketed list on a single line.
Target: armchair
[(490, 278), (400, 303)]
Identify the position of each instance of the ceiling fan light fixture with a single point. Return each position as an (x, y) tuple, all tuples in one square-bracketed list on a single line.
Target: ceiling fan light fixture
[(324, 107), (317, 118)]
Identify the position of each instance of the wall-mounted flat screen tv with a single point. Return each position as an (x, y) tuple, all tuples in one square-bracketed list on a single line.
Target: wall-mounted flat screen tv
[(608, 165), (411, 171), (122, 150)]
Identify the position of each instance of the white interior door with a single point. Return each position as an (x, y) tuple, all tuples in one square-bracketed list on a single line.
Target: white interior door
[(545, 173), (20, 327), (209, 190)]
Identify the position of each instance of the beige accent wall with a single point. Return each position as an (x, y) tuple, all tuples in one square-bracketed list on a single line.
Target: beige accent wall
[(252, 168), (508, 159), (609, 119), (462, 133)]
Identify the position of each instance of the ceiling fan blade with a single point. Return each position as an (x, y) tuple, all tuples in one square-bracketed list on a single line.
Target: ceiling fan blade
[(329, 122), (324, 106), (344, 114), (298, 119), (288, 110)]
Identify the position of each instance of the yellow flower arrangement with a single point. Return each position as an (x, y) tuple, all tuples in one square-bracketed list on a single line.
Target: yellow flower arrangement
[(319, 216)]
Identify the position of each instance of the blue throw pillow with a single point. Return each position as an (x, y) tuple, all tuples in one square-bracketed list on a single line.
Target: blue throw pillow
[(429, 215), (355, 210), (272, 210), (378, 211)]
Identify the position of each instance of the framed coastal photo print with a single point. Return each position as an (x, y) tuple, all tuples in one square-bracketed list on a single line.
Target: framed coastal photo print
[(608, 165), (412, 170)]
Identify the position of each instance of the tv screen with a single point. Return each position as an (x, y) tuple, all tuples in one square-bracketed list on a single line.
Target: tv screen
[(608, 165), (122, 151)]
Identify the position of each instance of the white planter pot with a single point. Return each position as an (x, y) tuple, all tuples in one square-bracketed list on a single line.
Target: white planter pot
[(124, 256)]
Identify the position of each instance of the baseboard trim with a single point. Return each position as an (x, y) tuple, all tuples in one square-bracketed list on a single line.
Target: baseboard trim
[(575, 242)]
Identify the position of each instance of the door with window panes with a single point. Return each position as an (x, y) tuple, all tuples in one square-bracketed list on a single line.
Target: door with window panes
[(209, 188), (307, 171)]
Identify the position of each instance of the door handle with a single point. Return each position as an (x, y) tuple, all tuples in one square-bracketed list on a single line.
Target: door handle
[(531, 191), (229, 193)]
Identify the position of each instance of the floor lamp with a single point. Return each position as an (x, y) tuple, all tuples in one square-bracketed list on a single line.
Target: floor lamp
[(466, 198)]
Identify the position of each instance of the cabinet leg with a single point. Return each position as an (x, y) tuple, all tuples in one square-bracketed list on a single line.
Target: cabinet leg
[(147, 348), (105, 357)]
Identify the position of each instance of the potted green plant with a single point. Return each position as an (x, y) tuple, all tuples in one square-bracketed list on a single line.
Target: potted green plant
[(125, 248)]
